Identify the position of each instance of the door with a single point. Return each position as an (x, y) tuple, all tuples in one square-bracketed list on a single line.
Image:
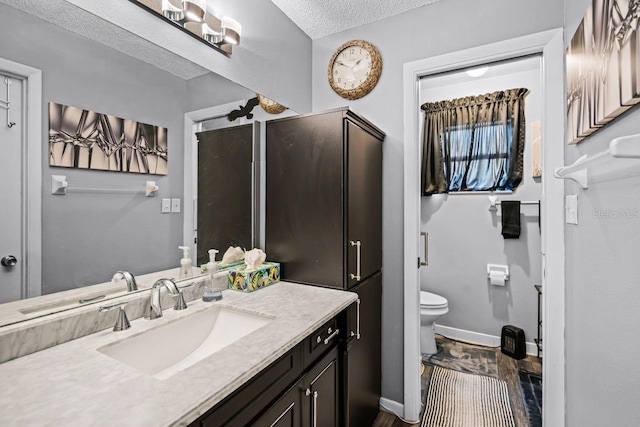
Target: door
[(225, 190), (321, 393), (361, 358), (12, 270), (364, 204), (304, 205)]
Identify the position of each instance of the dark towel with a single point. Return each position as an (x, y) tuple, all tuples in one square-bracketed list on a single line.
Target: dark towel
[(510, 219)]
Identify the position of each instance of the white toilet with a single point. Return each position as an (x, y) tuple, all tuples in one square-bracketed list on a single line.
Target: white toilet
[(432, 307)]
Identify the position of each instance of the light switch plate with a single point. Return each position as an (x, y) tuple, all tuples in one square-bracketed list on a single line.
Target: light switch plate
[(175, 205), (166, 205), (571, 209)]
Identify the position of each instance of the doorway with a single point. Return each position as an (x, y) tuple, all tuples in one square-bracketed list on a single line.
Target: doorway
[(550, 45), (20, 162)]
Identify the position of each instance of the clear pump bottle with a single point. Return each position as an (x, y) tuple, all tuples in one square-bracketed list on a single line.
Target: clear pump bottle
[(210, 292)]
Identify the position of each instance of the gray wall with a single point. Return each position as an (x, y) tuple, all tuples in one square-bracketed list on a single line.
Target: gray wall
[(435, 29), (464, 236), (211, 89), (602, 289)]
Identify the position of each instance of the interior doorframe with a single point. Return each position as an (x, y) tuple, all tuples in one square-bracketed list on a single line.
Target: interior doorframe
[(32, 161), (550, 44)]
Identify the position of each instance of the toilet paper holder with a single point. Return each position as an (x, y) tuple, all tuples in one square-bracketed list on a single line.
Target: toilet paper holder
[(497, 270)]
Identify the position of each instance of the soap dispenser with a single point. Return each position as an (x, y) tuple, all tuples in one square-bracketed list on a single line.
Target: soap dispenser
[(210, 292), (185, 264)]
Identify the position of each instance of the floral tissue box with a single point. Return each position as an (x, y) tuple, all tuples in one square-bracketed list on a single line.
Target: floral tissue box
[(249, 280)]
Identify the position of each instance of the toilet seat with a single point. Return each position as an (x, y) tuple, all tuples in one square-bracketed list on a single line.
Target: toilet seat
[(429, 300)]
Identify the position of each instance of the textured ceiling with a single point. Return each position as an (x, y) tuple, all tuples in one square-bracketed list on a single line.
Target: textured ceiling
[(68, 16), (319, 18)]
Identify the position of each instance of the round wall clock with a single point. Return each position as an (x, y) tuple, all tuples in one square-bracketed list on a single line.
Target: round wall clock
[(271, 107), (354, 69)]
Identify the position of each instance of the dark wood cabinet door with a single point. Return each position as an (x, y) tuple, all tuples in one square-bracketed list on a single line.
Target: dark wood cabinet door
[(304, 203), (364, 204), (321, 393), (361, 366), (285, 412)]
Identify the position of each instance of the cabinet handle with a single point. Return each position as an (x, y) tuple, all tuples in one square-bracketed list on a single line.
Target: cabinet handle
[(358, 245), (426, 248), (330, 337), (357, 332), (314, 408)]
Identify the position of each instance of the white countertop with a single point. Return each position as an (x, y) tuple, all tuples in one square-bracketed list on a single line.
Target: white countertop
[(74, 384)]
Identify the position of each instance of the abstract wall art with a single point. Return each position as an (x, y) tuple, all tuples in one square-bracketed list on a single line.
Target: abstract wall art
[(603, 67), (88, 140)]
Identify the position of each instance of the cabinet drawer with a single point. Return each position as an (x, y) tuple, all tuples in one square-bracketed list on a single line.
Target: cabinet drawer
[(243, 405), (319, 342)]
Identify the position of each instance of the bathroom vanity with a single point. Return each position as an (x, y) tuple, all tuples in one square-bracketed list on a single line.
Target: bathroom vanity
[(283, 370)]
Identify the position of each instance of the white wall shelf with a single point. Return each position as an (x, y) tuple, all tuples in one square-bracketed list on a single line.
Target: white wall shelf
[(624, 147)]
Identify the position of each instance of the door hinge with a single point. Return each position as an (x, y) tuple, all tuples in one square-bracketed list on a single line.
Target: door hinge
[(419, 262)]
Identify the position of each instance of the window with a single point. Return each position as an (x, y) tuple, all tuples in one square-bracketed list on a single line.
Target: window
[(474, 143)]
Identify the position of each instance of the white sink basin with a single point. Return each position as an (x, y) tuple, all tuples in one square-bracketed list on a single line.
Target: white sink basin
[(163, 351)]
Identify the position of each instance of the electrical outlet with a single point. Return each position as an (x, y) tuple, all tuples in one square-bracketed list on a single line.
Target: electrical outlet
[(166, 206), (175, 205)]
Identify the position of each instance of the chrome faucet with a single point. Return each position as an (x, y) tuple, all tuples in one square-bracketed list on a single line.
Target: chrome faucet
[(130, 279), (154, 310)]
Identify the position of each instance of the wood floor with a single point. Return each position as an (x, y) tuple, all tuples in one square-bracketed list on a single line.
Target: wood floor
[(507, 370)]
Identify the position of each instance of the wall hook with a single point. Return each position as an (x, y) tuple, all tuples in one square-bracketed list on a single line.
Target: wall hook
[(6, 103)]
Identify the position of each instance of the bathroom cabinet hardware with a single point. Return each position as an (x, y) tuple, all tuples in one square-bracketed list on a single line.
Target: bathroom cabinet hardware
[(319, 339), (314, 407), (60, 187), (9, 261), (358, 246), (357, 332), (624, 147), (84, 301), (328, 339), (426, 248), (122, 323)]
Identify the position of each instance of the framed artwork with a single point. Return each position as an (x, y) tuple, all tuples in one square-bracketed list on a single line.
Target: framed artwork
[(88, 140), (603, 67)]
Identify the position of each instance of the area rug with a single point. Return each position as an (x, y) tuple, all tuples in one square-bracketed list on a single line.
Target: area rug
[(468, 358), (456, 399), (531, 389)]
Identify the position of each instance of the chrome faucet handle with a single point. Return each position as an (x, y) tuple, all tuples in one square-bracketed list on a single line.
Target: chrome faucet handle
[(122, 323), (181, 304), (132, 285)]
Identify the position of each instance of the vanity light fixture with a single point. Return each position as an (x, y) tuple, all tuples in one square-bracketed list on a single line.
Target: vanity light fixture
[(191, 16)]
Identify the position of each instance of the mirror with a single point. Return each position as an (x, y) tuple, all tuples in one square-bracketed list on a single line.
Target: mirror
[(87, 236)]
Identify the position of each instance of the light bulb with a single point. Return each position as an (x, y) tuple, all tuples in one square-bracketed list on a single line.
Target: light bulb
[(194, 10), (477, 72), (231, 30)]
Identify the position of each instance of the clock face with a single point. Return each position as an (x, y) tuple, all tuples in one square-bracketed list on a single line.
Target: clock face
[(354, 69)]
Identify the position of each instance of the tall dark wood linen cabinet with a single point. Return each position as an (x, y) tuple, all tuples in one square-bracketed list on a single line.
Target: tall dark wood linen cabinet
[(324, 225)]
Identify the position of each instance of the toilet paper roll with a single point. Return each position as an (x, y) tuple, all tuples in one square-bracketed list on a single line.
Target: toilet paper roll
[(497, 278)]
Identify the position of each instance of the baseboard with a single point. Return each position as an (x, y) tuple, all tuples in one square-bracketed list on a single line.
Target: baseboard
[(392, 407), (477, 338)]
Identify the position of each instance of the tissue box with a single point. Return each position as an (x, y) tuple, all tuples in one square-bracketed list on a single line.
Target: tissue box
[(249, 280)]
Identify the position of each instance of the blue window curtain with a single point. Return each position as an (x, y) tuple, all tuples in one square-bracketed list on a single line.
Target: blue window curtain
[(474, 143)]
